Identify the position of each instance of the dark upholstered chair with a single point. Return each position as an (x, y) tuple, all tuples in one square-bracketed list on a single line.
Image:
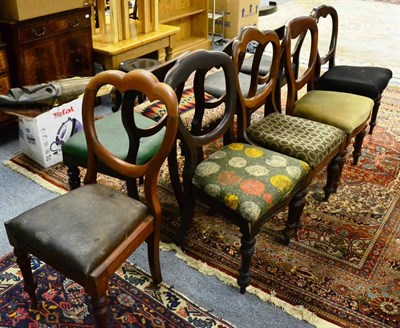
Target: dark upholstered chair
[(89, 232), (345, 111), (360, 80), (246, 183), (315, 143), (111, 132)]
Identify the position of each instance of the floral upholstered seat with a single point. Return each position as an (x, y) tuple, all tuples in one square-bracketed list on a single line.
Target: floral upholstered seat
[(248, 179), (306, 140)]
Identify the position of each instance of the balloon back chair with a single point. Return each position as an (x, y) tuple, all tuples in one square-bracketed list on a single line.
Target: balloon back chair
[(87, 233), (246, 183), (346, 111), (365, 81), (315, 143)]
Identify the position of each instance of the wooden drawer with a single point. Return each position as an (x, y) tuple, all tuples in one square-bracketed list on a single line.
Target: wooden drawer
[(3, 61), (4, 84), (49, 28)]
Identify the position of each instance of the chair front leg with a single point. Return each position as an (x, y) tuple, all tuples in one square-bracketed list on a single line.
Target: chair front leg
[(24, 263), (247, 249), (342, 161), (99, 303)]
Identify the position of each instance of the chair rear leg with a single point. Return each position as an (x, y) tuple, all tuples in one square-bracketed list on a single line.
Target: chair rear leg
[(358, 145), (296, 207), (342, 161), (186, 218), (24, 263), (332, 172), (74, 180), (247, 249), (174, 176), (153, 253), (372, 122)]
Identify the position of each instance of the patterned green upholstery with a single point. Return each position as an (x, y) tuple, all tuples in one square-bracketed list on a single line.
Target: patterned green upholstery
[(249, 179), (303, 139), (343, 110)]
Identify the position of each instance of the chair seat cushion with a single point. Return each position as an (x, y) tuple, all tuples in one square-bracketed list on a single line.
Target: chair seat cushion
[(248, 179), (360, 80), (265, 64), (113, 136), (343, 110), (215, 84), (155, 110), (75, 232), (296, 137)]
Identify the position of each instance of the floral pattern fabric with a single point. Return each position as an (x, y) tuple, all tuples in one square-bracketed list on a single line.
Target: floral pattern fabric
[(248, 179), (303, 139)]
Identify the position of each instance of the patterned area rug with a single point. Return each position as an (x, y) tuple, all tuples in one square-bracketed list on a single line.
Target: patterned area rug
[(63, 303), (343, 266)]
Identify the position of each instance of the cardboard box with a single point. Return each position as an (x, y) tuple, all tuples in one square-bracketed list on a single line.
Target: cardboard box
[(238, 14), (41, 137), (25, 9)]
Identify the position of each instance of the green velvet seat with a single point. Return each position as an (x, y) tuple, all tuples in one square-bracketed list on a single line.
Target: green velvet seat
[(112, 135), (344, 110), (249, 179), (303, 139)]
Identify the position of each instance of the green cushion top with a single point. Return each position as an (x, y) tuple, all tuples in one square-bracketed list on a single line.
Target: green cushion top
[(343, 110), (248, 179), (113, 136), (300, 138)]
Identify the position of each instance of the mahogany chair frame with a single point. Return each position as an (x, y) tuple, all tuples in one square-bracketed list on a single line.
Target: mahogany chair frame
[(195, 139), (298, 28), (267, 97), (96, 281), (325, 11)]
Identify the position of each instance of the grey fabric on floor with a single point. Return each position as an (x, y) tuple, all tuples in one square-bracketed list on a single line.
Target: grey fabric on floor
[(18, 194)]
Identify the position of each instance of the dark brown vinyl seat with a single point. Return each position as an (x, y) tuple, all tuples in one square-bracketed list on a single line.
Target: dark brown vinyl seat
[(87, 233)]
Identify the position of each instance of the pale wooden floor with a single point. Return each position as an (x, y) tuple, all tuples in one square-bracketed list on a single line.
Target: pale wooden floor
[(369, 31)]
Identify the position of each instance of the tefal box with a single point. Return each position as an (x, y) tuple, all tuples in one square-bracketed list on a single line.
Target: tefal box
[(41, 137), (26, 9), (237, 14)]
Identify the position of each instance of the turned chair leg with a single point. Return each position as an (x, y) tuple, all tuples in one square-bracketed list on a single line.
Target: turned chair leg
[(74, 180), (372, 122), (100, 310), (186, 219), (358, 142), (153, 253), (342, 161), (332, 172), (24, 263), (247, 249), (296, 207)]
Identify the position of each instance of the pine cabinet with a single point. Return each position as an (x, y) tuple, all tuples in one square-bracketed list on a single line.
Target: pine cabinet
[(192, 18), (49, 47)]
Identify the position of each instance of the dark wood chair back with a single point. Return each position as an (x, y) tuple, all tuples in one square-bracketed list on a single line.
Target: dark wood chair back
[(298, 28)]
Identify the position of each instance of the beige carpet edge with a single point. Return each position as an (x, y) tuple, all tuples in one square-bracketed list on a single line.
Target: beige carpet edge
[(34, 177), (298, 312)]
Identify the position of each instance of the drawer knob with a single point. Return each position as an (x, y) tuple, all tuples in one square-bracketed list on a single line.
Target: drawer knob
[(73, 22), (39, 31)]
